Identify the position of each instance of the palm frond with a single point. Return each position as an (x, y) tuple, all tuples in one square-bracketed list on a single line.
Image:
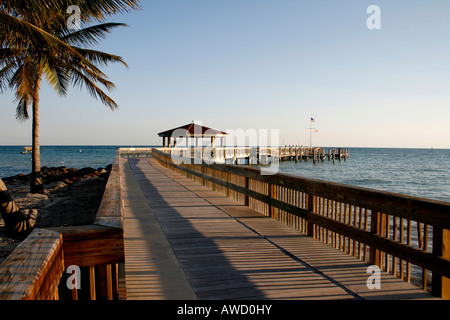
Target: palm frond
[(91, 9), (100, 59), (96, 77), (20, 35), (9, 60), (100, 10), (79, 80), (22, 109), (56, 76), (91, 35), (5, 74), (8, 54), (35, 40), (23, 80)]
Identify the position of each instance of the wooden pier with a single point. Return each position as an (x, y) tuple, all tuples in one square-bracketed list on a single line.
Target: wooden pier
[(204, 245), (213, 232), (316, 154), (248, 155)]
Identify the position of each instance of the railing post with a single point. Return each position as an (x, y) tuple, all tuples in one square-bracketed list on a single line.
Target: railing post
[(311, 204), (436, 279), (228, 180), (105, 280), (246, 186), (202, 171), (374, 254), (446, 255), (273, 195), (92, 283)]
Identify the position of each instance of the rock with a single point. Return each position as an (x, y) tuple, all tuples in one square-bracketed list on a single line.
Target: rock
[(72, 198)]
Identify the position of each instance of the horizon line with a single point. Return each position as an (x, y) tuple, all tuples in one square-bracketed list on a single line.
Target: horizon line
[(160, 146)]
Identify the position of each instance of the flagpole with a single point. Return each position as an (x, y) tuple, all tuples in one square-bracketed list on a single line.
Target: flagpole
[(311, 120), (310, 133)]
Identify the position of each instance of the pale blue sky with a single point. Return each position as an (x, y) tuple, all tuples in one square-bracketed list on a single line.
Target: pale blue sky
[(268, 64)]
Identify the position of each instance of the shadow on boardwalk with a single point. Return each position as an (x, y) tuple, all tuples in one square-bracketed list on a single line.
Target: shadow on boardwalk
[(178, 249), (193, 243)]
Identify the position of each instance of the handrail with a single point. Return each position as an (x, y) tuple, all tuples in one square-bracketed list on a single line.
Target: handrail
[(34, 269), (374, 226), (31, 271)]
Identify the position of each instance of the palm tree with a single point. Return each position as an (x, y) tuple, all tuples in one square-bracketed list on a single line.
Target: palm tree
[(37, 43)]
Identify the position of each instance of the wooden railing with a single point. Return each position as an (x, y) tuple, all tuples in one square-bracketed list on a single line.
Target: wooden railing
[(251, 155), (37, 269), (406, 236), (134, 152)]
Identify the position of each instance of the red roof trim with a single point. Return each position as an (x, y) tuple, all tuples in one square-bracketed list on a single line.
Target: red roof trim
[(192, 129)]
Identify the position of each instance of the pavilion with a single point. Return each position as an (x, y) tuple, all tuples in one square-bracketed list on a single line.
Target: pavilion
[(192, 130)]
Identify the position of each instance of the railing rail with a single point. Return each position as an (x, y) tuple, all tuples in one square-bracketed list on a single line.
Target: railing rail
[(253, 155), (406, 236), (34, 271)]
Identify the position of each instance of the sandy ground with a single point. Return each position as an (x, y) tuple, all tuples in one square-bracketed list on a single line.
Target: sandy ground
[(72, 197)]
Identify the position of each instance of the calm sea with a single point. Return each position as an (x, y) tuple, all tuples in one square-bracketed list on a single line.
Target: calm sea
[(418, 172), (422, 173), (13, 162)]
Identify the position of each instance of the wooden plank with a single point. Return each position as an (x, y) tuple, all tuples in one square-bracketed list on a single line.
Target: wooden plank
[(343, 268), (230, 253), (31, 271), (93, 245), (110, 212), (226, 262), (423, 259), (151, 271)]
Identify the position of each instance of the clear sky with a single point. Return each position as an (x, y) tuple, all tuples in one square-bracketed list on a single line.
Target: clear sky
[(264, 64)]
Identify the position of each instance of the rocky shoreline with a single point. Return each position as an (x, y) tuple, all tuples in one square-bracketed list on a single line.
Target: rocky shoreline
[(72, 197)]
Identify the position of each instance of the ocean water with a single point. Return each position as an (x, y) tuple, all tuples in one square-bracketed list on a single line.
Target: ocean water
[(422, 173), (13, 162)]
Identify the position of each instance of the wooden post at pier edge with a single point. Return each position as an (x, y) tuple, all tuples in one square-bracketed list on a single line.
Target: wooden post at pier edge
[(446, 255)]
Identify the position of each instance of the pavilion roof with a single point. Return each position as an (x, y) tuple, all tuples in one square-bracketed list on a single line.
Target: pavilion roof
[(193, 130)]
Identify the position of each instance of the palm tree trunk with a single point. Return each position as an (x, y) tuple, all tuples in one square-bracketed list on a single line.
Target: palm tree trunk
[(37, 184), (17, 223)]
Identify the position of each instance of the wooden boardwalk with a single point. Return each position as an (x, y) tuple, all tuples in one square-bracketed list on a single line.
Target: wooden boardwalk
[(186, 242)]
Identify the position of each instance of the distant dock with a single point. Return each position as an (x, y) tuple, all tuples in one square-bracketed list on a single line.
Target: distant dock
[(27, 149), (300, 153), (249, 155)]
